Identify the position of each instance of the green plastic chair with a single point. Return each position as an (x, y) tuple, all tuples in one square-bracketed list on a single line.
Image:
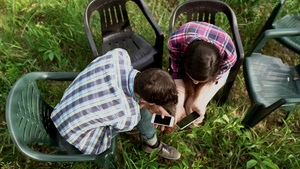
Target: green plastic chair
[(28, 121), (288, 21), (270, 84)]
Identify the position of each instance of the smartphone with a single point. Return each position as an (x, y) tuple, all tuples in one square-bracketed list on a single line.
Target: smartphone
[(167, 121), (187, 120)]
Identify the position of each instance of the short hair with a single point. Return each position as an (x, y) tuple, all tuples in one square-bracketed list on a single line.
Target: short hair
[(202, 61), (156, 86)]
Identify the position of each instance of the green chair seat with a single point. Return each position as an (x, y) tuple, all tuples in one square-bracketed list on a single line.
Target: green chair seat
[(28, 121), (289, 21), (271, 80)]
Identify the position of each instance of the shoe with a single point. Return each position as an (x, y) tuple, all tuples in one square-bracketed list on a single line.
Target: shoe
[(164, 150)]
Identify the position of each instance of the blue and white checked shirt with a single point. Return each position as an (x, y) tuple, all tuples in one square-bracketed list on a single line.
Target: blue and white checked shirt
[(101, 99)]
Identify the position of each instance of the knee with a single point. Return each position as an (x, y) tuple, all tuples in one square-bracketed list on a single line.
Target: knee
[(145, 114)]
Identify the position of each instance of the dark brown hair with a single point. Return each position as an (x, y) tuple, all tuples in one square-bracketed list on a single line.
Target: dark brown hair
[(201, 61), (156, 86)]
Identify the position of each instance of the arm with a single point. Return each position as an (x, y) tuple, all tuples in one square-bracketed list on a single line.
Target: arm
[(154, 109), (179, 109), (198, 102)]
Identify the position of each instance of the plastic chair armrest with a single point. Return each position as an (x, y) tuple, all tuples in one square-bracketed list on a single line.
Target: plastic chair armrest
[(272, 34), (273, 16), (238, 41), (55, 157), (86, 21), (293, 100), (57, 76), (158, 31)]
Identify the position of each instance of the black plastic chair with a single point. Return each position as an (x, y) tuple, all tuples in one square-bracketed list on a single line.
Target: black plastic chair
[(117, 32), (206, 10), (288, 21), (28, 121)]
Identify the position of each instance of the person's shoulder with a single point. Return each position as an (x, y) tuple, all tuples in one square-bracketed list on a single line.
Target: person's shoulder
[(119, 53), (198, 23), (117, 56), (120, 57)]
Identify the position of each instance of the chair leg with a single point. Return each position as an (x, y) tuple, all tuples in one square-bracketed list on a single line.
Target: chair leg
[(250, 118), (108, 159), (288, 115), (258, 112), (108, 162), (225, 93), (290, 111)]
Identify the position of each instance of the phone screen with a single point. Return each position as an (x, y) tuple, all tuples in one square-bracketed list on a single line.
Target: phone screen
[(165, 121), (188, 119)]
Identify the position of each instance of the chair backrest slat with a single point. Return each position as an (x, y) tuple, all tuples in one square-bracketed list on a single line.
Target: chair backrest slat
[(113, 17)]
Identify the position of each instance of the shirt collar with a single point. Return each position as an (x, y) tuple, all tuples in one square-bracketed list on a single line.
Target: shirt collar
[(193, 39), (132, 75)]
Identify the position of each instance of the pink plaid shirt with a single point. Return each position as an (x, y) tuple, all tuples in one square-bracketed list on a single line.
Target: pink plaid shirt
[(191, 31)]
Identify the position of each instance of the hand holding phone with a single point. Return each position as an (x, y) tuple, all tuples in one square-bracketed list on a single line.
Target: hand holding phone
[(166, 121), (187, 120)]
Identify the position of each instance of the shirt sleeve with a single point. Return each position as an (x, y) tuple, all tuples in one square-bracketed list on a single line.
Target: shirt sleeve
[(229, 56), (174, 58), (95, 141), (224, 43)]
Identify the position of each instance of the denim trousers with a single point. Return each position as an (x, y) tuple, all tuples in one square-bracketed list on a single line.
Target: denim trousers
[(146, 128)]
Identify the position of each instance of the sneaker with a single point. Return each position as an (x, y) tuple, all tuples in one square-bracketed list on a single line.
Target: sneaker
[(164, 150)]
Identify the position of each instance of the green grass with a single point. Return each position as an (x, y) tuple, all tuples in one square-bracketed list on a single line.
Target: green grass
[(49, 36)]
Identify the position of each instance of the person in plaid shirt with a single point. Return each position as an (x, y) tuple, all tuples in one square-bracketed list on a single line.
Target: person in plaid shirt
[(109, 97), (201, 56)]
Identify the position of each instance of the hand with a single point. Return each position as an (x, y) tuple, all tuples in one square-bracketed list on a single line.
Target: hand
[(156, 109), (200, 119), (179, 109), (179, 114), (193, 105)]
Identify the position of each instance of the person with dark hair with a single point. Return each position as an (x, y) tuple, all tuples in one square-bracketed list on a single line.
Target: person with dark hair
[(156, 86), (109, 97), (201, 56)]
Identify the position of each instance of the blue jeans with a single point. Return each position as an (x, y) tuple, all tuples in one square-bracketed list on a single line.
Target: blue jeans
[(145, 127)]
